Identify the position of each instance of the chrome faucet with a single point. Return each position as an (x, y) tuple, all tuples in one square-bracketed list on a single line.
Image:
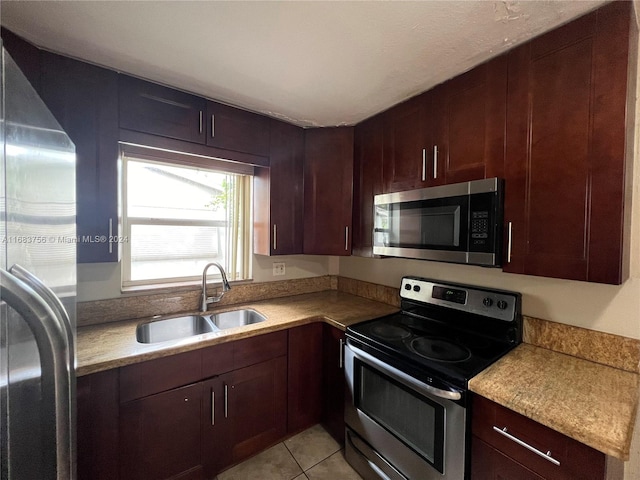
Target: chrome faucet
[(225, 286)]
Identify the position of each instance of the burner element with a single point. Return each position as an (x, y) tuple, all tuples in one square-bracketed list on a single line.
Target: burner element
[(439, 349), (390, 332)]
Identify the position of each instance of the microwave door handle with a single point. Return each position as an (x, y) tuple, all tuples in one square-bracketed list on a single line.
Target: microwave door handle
[(51, 340)]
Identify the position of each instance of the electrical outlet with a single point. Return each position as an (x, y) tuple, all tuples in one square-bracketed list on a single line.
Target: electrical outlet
[(278, 269)]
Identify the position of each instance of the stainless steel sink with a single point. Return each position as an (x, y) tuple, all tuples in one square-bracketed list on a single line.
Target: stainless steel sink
[(236, 318), (188, 326), (174, 329)]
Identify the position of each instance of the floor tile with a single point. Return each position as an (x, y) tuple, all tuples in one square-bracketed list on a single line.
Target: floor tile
[(334, 467), (301, 477), (275, 463), (312, 446)]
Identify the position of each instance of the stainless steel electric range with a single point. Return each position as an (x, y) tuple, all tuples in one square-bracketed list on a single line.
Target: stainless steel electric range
[(407, 408)]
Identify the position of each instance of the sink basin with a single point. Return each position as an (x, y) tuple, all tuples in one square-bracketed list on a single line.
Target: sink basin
[(236, 318), (174, 329), (188, 326)]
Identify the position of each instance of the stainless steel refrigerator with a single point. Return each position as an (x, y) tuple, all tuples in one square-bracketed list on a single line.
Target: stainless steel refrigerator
[(37, 286)]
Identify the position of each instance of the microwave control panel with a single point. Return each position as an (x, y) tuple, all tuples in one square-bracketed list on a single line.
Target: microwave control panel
[(479, 227)]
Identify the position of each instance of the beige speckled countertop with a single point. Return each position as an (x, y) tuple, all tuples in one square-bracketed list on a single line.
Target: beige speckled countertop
[(589, 402), (110, 345)]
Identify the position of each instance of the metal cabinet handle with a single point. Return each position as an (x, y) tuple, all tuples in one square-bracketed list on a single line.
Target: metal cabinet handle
[(341, 354), (346, 238), (435, 162), (275, 236), (546, 456), (509, 238), (213, 407), (52, 342), (213, 125), (200, 122), (226, 401), (110, 235), (424, 164)]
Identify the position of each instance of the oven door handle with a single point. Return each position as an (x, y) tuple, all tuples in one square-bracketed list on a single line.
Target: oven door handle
[(403, 377)]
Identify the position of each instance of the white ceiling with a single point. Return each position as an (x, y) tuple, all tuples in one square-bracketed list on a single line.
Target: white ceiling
[(310, 62)]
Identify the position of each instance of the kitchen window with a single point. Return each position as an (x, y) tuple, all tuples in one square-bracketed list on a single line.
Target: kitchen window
[(181, 212)]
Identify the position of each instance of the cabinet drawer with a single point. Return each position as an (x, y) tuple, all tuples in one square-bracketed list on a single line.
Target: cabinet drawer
[(146, 378), (259, 349), (151, 108), (504, 429)]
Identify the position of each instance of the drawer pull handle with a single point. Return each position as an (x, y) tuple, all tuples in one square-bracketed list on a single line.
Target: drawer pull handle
[(546, 456)]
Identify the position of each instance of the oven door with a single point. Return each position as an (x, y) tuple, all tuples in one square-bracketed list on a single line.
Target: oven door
[(413, 428)]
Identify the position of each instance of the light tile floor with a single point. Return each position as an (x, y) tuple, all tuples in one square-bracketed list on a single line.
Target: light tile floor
[(310, 455)]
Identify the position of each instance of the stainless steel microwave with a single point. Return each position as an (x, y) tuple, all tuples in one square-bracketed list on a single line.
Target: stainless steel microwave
[(458, 223)]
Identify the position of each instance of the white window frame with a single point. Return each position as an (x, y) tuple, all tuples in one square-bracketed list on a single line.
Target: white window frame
[(171, 158)]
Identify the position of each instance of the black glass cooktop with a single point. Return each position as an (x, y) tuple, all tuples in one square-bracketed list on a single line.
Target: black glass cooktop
[(431, 347)]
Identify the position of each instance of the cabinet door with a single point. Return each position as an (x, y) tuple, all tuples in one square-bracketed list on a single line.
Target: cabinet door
[(328, 187), (97, 426), (256, 399), (565, 161), (234, 129), (367, 182), (487, 463), (278, 197), (83, 98), (160, 436), (469, 123), (304, 377), (151, 108), (333, 382), (216, 427), (408, 141)]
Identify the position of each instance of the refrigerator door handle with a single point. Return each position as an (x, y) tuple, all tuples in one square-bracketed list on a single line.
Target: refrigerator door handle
[(53, 346), (50, 299)]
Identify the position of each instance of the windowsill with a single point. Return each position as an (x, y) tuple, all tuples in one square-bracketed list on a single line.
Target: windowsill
[(175, 287)]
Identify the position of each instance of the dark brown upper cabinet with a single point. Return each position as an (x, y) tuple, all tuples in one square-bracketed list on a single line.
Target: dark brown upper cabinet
[(83, 98), (468, 120), (565, 155), (367, 181), (408, 146), (328, 184), (238, 130), (26, 56), (278, 194), (151, 108)]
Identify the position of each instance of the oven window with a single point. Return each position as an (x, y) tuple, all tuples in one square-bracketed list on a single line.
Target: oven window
[(410, 417)]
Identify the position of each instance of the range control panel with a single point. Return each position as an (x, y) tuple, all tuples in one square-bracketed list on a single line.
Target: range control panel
[(498, 304)]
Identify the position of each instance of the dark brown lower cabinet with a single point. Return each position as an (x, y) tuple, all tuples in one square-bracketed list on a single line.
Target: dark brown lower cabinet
[(304, 376), (243, 412), (497, 453), (333, 382), (97, 425), (160, 436), (256, 398), (489, 464)]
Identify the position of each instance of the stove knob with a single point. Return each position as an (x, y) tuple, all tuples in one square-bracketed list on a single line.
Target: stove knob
[(502, 304), (487, 302), (416, 288), (407, 287)]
